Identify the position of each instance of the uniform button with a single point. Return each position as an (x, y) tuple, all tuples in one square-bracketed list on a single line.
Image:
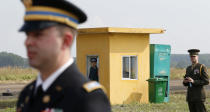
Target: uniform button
[(46, 99)]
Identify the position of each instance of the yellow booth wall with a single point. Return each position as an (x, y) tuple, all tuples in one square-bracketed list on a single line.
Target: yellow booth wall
[(110, 45)]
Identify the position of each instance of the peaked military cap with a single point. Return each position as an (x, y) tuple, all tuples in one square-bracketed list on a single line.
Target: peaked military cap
[(93, 60), (193, 52), (41, 14)]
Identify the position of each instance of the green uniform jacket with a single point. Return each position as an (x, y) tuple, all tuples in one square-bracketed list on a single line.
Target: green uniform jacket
[(200, 76)]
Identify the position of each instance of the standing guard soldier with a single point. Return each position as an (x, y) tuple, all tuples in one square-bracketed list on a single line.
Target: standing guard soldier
[(50, 27), (93, 75), (195, 78)]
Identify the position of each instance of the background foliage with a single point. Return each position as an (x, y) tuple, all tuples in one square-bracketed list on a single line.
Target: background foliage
[(177, 60), (10, 59), (183, 60)]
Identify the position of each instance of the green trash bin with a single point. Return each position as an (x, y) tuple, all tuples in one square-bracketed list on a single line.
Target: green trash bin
[(157, 89)]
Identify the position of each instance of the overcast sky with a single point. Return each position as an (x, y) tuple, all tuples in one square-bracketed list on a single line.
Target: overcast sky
[(187, 22)]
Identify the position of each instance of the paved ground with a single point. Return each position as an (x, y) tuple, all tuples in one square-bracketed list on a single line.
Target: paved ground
[(15, 88), (176, 86)]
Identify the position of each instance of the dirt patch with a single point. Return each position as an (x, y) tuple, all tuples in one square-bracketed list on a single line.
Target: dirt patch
[(13, 88), (176, 86)]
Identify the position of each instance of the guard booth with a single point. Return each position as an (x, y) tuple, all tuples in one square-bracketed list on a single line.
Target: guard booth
[(123, 60), (160, 64)]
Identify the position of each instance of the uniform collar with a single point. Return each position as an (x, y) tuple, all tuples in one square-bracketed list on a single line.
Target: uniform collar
[(194, 64), (46, 84)]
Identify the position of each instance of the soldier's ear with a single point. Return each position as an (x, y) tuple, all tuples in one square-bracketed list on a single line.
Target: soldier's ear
[(67, 39)]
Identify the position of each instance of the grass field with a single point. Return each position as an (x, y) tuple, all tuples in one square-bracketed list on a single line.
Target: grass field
[(15, 74), (176, 73), (7, 105), (177, 103)]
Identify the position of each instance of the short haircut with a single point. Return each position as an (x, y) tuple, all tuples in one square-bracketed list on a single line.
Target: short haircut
[(62, 28)]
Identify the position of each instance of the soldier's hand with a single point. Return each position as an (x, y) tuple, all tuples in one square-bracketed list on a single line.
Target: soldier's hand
[(190, 79), (185, 80)]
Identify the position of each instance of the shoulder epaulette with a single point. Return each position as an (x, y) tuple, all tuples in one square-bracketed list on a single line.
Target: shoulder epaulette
[(91, 86), (201, 68)]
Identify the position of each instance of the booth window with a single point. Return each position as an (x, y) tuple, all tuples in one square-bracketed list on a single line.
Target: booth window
[(129, 67)]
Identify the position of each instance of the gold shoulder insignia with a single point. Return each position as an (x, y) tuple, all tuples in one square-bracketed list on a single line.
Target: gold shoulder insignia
[(93, 85), (201, 68)]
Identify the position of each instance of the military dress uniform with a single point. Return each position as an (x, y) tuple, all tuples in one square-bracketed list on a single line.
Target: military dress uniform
[(195, 92), (70, 92), (93, 75), (66, 90)]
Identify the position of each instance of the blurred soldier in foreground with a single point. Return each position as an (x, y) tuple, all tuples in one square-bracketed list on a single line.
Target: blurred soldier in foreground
[(196, 77), (50, 28)]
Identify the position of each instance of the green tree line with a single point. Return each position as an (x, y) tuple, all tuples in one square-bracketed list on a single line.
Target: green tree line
[(177, 60), (183, 60), (10, 59)]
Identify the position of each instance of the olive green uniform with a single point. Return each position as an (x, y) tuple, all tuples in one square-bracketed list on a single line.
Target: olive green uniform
[(195, 93)]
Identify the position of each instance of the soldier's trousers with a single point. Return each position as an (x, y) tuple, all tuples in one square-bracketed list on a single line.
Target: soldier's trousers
[(197, 106)]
